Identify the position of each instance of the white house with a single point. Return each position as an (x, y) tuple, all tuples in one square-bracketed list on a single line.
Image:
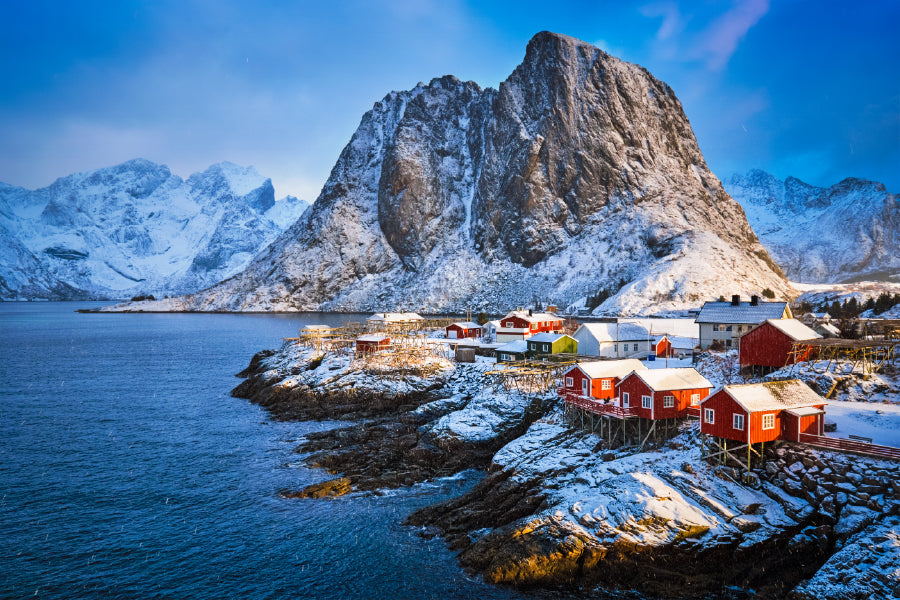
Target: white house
[(613, 340)]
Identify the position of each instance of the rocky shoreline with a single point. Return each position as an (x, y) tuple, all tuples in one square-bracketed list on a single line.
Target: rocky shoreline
[(557, 508)]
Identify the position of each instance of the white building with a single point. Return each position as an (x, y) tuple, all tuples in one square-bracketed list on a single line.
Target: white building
[(613, 340)]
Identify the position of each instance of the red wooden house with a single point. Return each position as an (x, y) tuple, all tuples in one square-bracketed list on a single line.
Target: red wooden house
[(768, 347), (663, 393), (522, 324), (763, 412), (458, 331), (597, 379), (662, 347), (372, 342)]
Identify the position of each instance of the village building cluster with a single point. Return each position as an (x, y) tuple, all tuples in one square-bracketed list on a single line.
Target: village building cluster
[(610, 374)]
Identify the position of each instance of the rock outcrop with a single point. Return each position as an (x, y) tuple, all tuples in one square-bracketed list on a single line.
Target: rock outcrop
[(580, 176)]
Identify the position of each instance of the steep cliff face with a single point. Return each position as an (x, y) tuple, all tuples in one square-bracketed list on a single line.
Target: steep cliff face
[(847, 232), (579, 175), (135, 229)]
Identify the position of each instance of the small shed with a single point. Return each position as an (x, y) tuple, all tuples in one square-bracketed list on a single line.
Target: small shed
[(465, 354), (661, 346), (598, 379), (511, 351), (552, 343), (768, 347), (462, 330), (367, 344), (663, 393), (763, 412)]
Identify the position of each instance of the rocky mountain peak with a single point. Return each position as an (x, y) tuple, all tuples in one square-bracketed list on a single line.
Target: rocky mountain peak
[(578, 176)]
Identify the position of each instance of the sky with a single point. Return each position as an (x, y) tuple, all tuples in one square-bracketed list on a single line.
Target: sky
[(805, 89)]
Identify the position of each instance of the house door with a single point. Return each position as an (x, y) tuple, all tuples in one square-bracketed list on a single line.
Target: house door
[(584, 388), (624, 399)]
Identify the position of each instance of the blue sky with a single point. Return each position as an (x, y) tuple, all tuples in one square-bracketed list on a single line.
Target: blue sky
[(810, 89)]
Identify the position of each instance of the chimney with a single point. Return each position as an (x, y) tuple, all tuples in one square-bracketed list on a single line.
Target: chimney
[(530, 312), (754, 300), (736, 300)]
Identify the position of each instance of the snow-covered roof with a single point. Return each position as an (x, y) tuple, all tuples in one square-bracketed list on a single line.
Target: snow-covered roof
[(495, 324), (393, 317), (726, 312), (467, 325), (772, 395), (610, 368), (519, 346), (793, 328), (534, 317), (373, 337), (678, 341), (548, 337), (805, 411), (612, 332), (318, 327), (663, 380)]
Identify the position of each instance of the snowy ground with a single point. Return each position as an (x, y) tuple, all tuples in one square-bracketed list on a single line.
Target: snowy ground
[(881, 422)]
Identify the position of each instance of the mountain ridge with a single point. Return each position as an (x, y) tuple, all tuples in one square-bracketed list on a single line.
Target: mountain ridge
[(849, 231), (135, 228)]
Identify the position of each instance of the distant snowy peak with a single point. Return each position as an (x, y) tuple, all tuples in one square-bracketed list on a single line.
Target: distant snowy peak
[(579, 176), (847, 232), (135, 228)]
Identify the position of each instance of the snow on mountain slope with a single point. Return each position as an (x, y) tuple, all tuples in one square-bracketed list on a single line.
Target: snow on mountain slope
[(135, 229), (847, 232), (580, 174)]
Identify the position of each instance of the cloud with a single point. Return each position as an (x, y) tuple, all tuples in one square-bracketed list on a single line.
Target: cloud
[(720, 40), (672, 23)]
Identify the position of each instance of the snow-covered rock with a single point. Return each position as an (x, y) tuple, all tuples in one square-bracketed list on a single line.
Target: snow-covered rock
[(136, 229), (579, 175), (849, 231)]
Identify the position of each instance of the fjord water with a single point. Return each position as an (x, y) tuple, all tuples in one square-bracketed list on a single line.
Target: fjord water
[(128, 471)]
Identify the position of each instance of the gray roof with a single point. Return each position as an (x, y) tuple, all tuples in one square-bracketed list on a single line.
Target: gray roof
[(744, 313)]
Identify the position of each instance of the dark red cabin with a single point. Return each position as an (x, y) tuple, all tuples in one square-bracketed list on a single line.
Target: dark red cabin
[(458, 331), (769, 345), (663, 393), (763, 412)]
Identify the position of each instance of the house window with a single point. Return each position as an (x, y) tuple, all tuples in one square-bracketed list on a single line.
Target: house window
[(624, 399), (569, 382), (534, 326), (738, 422), (715, 327), (606, 384), (668, 401), (728, 328), (635, 347), (709, 415), (768, 422), (695, 399), (546, 347), (646, 402), (506, 357)]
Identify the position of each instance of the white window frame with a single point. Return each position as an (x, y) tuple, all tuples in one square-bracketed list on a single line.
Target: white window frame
[(606, 384), (635, 347), (709, 416), (546, 348), (624, 399), (668, 401), (646, 401), (505, 357), (737, 419), (695, 399), (768, 421), (569, 382)]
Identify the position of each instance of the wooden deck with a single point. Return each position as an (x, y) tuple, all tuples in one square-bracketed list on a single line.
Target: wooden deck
[(853, 446)]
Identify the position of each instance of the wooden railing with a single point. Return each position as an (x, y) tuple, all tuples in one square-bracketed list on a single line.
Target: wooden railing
[(850, 446), (598, 407)]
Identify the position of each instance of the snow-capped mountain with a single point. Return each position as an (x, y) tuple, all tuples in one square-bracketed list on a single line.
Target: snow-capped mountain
[(579, 175), (136, 229), (847, 232)]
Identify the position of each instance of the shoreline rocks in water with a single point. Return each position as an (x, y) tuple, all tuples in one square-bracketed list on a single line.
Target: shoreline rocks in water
[(556, 508)]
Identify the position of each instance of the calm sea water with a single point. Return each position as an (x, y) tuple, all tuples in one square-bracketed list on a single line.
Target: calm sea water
[(127, 471)]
